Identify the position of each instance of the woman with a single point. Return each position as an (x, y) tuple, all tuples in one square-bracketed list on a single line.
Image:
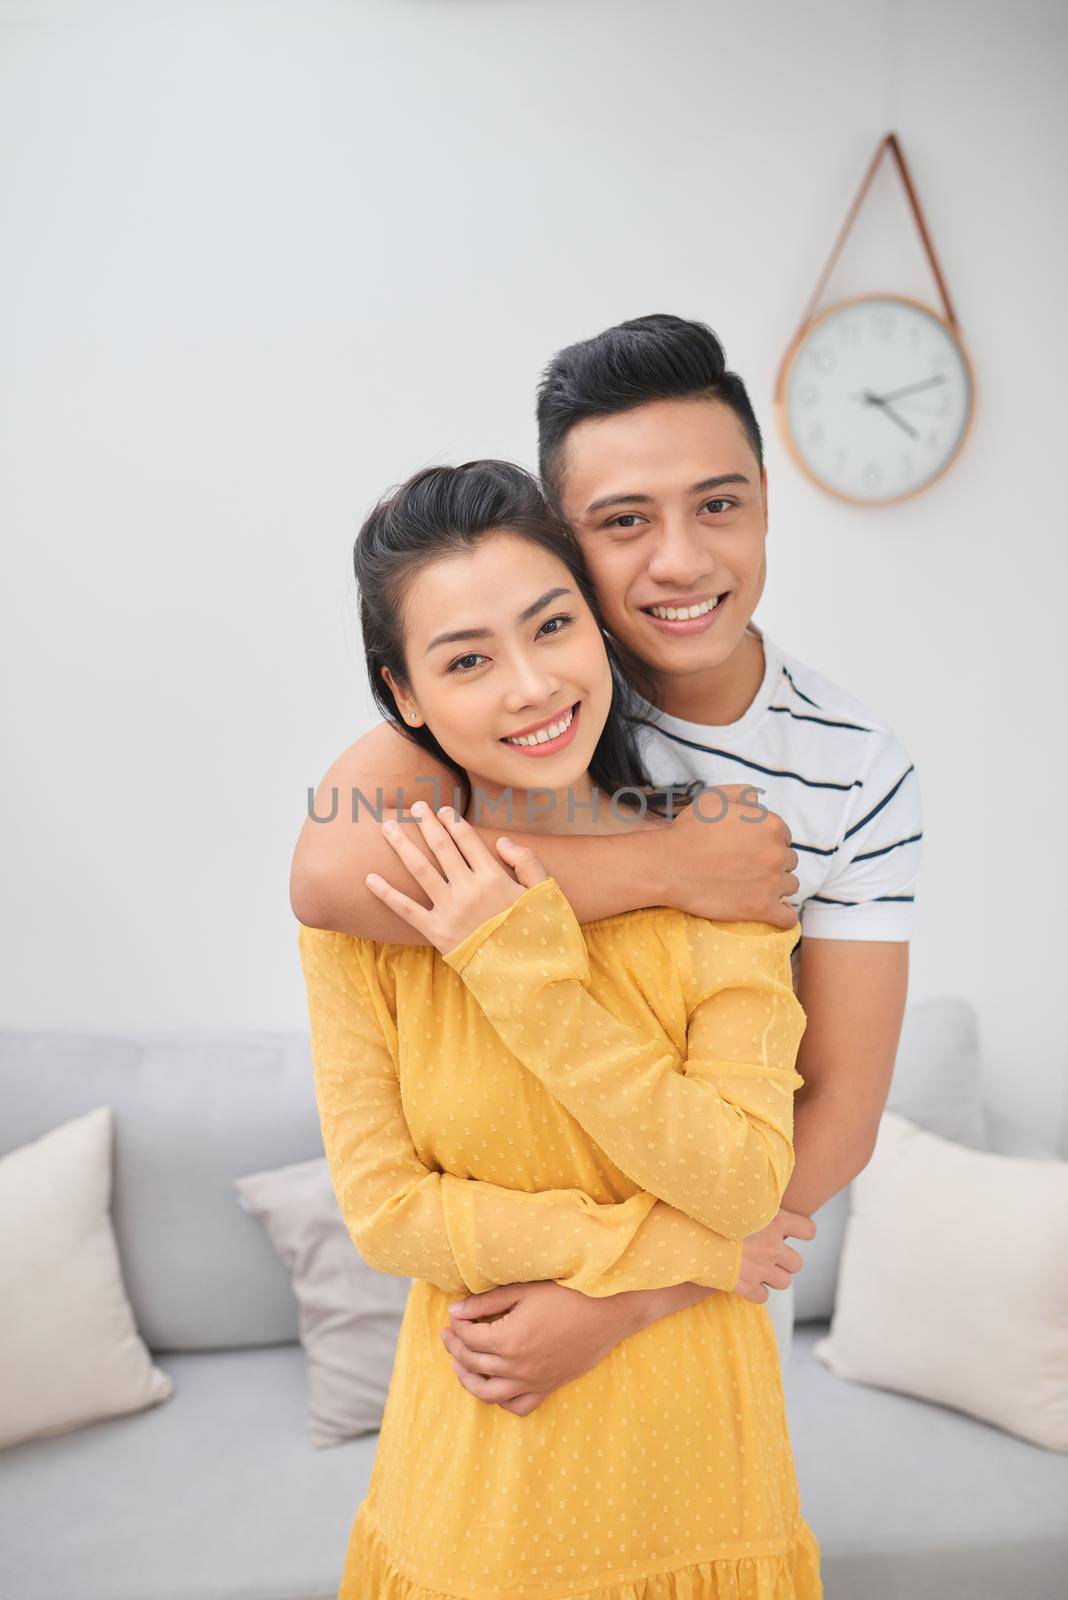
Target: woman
[(609, 1107)]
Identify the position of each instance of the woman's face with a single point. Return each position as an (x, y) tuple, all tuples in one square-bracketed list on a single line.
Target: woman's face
[(499, 643)]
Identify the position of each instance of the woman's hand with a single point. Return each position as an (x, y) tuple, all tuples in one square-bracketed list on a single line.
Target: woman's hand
[(470, 887), (513, 1346)]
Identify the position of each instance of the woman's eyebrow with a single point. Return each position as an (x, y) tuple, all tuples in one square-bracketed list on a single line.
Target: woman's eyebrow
[(459, 635), (643, 499)]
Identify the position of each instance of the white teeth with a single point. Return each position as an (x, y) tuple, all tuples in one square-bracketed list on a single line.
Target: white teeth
[(553, 731), (683, 613)]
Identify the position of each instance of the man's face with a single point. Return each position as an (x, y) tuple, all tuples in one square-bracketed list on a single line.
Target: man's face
[(670, 508)]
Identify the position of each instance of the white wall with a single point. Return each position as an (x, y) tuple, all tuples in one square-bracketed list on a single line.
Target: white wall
[(261, 261)]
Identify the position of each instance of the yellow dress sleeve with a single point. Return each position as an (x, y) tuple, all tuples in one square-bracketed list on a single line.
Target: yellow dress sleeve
[(459, 1233), (714, 1140)]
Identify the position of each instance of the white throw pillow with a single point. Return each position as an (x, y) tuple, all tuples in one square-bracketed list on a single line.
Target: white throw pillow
[(953, 1284), (70, 1352)]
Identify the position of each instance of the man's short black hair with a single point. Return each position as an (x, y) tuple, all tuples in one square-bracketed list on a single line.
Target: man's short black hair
[(650, 358)]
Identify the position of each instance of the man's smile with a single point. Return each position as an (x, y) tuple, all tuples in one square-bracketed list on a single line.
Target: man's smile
[(682, 616)]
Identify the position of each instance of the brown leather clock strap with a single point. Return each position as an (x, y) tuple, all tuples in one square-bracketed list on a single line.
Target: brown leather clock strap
[(889, 143)]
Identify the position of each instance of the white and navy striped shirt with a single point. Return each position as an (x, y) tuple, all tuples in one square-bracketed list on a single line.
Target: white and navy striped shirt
[(838, 776)]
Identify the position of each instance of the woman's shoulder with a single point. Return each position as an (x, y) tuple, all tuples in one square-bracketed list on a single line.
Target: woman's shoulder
[(353, 963), (703, 957), (704, 934), (701, 931)]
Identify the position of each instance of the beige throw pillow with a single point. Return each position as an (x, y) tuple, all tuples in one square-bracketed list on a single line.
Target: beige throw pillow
[(70, 1352), (953, 1285), (349, 1314)]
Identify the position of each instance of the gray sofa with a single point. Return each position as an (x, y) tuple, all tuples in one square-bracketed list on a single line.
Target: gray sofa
[(217, 1493)]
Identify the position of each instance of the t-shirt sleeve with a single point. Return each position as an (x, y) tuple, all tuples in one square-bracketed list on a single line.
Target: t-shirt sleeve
[(461, 1234), (714, 1139), (870, 891)]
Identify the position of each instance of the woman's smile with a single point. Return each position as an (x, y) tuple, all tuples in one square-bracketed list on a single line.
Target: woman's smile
[(547, 737)]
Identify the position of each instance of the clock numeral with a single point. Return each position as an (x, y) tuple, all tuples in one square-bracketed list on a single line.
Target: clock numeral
[(872, 475), (849, 335), (808, 394), (823, 360), (934, 436), (817, 435), (905, 467), (840, 458), (884, 323)]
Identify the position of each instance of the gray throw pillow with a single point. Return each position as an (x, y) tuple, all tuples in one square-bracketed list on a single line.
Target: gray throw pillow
[(349, 1313)]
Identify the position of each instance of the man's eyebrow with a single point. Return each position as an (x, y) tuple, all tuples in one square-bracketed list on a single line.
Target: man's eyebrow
[(643, 499), (462, 634), (718, 482)]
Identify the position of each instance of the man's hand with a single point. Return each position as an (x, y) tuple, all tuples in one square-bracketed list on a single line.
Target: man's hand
[(541, 1336), (766, 1257), (734, 869)]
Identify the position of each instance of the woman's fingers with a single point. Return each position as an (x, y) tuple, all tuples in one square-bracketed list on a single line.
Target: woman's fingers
[(520, 857), (404, 907), (467, 839), (487, 1303), (523, 1404), (426, 875), (478, 1362), (492, 1390), (453, 864), (484, 1337)]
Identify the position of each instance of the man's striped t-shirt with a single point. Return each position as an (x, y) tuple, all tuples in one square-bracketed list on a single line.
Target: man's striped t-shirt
[(835, 772)]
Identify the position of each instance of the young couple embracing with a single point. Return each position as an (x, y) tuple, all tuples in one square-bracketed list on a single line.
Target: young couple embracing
[(581, 1076)]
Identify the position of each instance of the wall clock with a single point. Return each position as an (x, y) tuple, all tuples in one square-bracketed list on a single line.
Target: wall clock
[(875, 395)]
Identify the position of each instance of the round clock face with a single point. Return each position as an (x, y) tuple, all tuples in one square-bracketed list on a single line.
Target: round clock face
[(876, 398)]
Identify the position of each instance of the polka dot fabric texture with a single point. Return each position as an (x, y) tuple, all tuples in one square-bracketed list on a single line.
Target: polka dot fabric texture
[(609, 1106)]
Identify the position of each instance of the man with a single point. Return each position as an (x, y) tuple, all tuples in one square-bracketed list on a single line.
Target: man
[(650, 450)]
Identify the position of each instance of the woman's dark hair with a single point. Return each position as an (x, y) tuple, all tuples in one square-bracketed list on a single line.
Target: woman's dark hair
[(650, 358), (444, 511)]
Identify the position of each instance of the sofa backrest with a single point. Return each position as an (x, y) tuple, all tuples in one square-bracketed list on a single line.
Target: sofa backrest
[(195, 1110), (192, 1111)]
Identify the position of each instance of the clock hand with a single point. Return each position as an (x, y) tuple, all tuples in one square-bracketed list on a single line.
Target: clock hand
[(877, 400), (914, 388)]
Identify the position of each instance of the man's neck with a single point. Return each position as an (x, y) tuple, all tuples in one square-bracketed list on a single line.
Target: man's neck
[(718, 695)]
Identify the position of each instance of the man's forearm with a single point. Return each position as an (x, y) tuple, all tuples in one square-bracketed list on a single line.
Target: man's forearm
[(832, 1143), (601, 875), (649, 1305)]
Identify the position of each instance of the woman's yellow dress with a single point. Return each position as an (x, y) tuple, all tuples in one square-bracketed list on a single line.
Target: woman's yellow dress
[(609, 1106)]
